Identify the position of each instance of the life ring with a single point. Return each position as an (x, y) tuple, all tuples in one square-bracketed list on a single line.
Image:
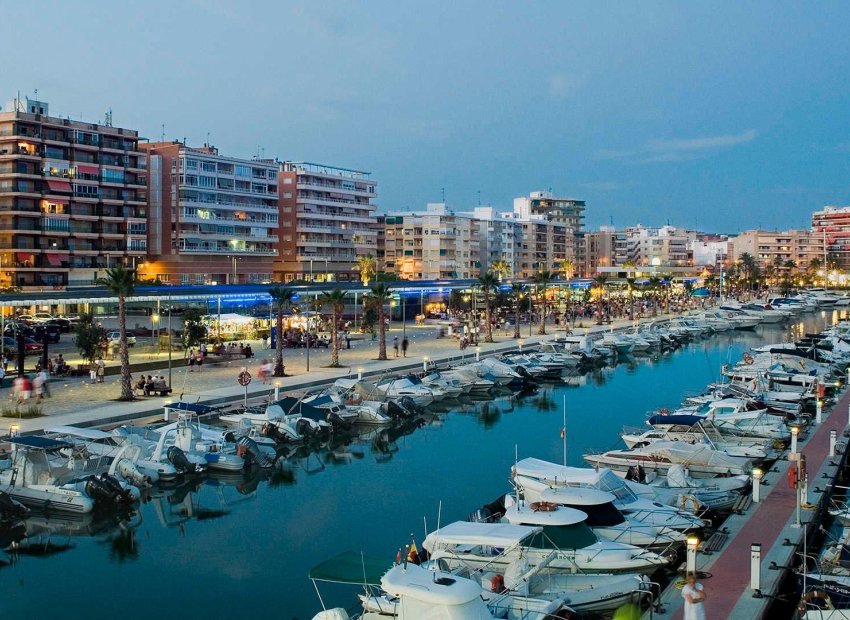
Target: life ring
[(695, 503), (814, 595), (748, 359), (543, 507), (497, 584)]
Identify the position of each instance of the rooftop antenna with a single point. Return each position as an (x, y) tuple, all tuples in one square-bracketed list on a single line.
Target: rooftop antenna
[(443, 193), (611, 219), (208, 138), (479, 197), (162, 135), (107, 120)]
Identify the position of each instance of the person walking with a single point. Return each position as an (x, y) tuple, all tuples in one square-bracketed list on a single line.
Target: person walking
[(101, 369), (45, 382), (404, 344), (199, 359), (191, 359), (395, 345), (694, 595), (93, 371)]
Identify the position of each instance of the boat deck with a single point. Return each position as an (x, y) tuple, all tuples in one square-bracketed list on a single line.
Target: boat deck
[(771, 522)]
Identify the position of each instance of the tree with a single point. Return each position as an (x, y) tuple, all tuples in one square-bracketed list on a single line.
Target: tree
[(630, 289), (379, 296), (89, 337), (517, 292), (542, 279), (501, 268), (282, 296), (600, 284), (194, 330), (336, 300), (366, 266), (488, 282), (119, 281)]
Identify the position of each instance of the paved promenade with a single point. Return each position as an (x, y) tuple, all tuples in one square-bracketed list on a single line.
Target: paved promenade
[(77, 401)]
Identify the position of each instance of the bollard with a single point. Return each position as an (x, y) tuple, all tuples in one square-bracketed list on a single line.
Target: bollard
[(276, 392), (520, 343), (795, 430), (833, 439), (691, 564), (818, 411), (848, 415), (477, 354), (359, 374), (755, 567), (804, 492), (424, 364), (757, 474), (848, 375)]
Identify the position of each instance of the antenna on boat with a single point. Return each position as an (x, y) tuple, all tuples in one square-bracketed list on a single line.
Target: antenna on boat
[(564, 431), (516, 486), (439, 512)]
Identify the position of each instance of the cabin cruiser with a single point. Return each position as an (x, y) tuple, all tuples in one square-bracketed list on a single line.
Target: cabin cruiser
[(522, 363), (746, 417), (536, 532), (478, 385), (618, 342), (450, 385), (634, 500), (496, 371), (274, 422), (420, 394), (701, 460)]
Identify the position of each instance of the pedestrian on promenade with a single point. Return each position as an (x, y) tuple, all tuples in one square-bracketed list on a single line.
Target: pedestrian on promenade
[(395, 345), (191, 359), (93, 372), (5, 363), (45, 380), (199, 359), (265, 341), (23, 388), (101, 369), (38, 387), (404, 344), (694, 595)]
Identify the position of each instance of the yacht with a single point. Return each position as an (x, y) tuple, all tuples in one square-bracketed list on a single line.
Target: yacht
[(701, 460)]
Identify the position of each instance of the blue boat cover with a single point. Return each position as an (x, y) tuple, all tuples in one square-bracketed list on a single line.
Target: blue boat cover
[(198, 408), (682, 420), (38, 442)]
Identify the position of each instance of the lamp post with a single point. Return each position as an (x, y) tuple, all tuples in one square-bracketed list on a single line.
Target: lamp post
[(403, 315), (169, 345)]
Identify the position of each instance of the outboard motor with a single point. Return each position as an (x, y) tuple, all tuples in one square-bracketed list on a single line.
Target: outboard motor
[(10, 509), (273, 432), (526, 377), (128, 470), (121, 493), (408, 403), (101, 493), (306, 427), (178, 458), (252, 452)]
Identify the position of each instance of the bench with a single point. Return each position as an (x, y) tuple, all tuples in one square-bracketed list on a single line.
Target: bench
[(742, 504), (153, 392), (714, 542)]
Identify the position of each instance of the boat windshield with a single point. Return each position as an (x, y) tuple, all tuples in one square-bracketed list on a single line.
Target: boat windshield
[(576, 536), (601, 515)]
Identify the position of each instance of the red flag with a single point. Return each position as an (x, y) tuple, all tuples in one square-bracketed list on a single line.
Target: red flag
[(563, 432), (398, 556)]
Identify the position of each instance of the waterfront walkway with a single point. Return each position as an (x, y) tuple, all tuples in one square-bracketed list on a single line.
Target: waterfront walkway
[(772, 523)]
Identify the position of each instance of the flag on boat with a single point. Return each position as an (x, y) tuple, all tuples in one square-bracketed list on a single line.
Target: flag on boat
[(563, 432), (398, 556), (413, 554)]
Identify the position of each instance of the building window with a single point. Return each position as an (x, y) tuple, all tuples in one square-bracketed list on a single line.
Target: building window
[(208, 166), (243, 171), (190, 164), (206, 181)]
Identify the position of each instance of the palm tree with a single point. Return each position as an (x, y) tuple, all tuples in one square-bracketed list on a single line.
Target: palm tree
[(630, 282), (336, 300), (380, 295), (119, 281), (600, 283), (281, 296), (488, 282), (366, 266), (749, 267), (501, 269), (542, 279), (654, 284), (568, 268), (516, 291)]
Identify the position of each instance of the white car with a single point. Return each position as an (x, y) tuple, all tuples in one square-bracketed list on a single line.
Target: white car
[(115, 338), (42, 317)]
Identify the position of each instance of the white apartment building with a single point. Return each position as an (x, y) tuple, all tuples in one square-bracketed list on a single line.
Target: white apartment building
[(667, 245), (327, 219)]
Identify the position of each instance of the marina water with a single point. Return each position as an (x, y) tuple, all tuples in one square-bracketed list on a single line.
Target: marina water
[(237, 547)]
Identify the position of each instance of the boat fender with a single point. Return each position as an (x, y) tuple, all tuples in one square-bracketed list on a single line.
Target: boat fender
[(497, 584), (543, 507), (814, 595)]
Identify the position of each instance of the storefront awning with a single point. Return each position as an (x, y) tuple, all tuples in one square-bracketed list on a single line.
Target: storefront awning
[(59, 186), (55, 260), (83, 169), (56, 201)]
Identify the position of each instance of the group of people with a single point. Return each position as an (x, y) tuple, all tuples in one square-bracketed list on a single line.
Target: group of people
[(405, 343), (150, 384), (24, 388)]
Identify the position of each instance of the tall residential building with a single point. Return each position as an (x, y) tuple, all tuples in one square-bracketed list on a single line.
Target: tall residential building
[(327, 218), (566, 211), (499, 239), (668, 246), (431, 245), (832, 224), (768, 247), (542, 244), (71, 198), (600, 250), (213, 218), (711, 250)]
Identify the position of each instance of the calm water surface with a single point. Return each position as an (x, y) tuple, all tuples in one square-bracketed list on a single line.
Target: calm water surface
[(234, 548)]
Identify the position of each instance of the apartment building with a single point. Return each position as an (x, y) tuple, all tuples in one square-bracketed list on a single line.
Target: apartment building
[(542, 244), (213, 218), (327, 219), (499, 239), (768, 247), (566, 211), (711, 250), (667, 245), (432, 245), (71, 198), (832, 224)]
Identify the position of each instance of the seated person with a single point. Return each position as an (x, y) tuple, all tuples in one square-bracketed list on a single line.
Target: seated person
[(247, 351), (140, 385), (160, 384), (149, 385)]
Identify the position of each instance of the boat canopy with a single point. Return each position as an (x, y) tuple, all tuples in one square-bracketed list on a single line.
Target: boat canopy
[(561, 515), (351, 567), (85, 433), (500, 535), (39, 443), (197, 408), (552, 472), (674, 419)]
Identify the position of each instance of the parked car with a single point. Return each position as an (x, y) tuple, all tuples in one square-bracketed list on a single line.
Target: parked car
[(42, 317), (10, 346), (115, 338), (64, 325), (25, 318), (13, 327), (51, 332)]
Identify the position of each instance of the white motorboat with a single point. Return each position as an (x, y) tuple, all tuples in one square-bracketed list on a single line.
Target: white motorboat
[(634, 500), (478, 385), (677, 488), (451, 385), (494, 370), (701, 460), (617, 342), (403, 387)]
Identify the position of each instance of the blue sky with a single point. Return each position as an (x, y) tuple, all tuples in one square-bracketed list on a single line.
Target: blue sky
[(721, 115)]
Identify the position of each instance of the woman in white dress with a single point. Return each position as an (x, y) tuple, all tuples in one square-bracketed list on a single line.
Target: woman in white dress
[(694, 595)]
